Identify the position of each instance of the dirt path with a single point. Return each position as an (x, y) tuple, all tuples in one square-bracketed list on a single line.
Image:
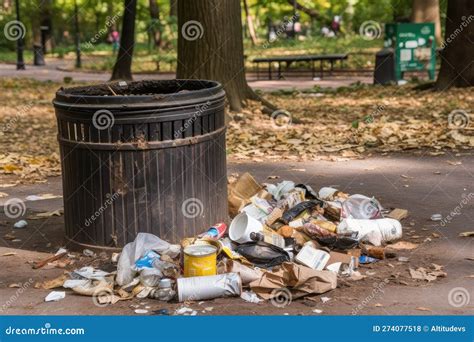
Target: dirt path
[(420, 183)]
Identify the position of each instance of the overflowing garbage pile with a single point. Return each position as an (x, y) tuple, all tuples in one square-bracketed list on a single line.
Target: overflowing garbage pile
[(282, 237)]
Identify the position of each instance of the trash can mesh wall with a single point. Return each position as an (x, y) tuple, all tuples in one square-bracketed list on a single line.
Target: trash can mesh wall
[(142, 157)]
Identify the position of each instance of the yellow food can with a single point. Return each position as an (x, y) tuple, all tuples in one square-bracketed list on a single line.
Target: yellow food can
[(200, 260)]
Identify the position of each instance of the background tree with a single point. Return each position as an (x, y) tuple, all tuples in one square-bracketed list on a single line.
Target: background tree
[(457, 58), (155, 26), (123, 66), (250, 25), (210, 46), (427, 11)]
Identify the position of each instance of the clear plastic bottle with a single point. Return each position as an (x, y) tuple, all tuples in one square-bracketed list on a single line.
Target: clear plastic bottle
[(164, 291)]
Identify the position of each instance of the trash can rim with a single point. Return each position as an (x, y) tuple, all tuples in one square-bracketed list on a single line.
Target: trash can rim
[(162, 92)]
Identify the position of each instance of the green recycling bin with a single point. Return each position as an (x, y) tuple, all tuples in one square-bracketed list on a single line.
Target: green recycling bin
[(414, 46)]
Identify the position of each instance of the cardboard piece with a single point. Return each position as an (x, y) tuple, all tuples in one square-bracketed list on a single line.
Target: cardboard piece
[(398, 214), (240, 193), (300, 280)]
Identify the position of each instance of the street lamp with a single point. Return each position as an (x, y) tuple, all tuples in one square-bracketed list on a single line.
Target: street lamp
[(77, 38), (20, 64)]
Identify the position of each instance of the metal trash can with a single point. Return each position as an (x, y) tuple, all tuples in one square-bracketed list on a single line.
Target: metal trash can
[(38, 55), (144, 156), (384, 72)]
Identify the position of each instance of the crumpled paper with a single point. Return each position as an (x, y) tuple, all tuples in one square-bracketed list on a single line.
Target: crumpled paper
[(300, 280)]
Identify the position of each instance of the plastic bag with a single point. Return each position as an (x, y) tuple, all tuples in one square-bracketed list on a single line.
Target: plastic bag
[(262, 254), (361, 207), (290, 214), (375, 232), (133, 251)]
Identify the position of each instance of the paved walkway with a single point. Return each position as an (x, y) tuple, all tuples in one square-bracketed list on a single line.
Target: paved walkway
[(51, 72)]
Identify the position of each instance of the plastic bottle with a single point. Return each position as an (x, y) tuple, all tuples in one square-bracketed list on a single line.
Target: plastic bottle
[(164, 292), (269, 237)]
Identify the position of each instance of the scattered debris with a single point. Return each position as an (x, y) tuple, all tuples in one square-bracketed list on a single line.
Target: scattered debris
[(20, 224), (466, 234), (55, 296)]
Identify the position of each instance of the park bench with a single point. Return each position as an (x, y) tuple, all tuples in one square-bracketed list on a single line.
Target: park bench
[(312, 59)]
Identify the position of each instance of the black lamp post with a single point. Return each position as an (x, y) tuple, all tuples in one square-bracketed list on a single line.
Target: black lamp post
[(20, 64), (77, 37)]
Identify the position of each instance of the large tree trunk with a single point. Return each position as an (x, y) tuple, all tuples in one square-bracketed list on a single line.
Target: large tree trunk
[(155, 27), (427, 11), (123, 65), (210, 46), (457, 57), (250, 26)]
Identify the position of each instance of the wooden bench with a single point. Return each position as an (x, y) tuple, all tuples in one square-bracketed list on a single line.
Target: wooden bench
[(288, 60)]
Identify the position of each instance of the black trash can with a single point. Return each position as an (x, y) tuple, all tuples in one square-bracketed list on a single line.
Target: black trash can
[(142, 157), (38, 55), (384, 72)]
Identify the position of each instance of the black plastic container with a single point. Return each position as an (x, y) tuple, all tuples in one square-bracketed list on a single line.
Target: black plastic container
[(142, 157)]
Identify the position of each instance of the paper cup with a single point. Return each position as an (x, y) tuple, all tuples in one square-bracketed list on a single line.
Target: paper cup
[(242, 226)]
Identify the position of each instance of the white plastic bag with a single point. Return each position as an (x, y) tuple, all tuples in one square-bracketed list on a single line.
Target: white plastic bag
[(373, 231), (132, 251)]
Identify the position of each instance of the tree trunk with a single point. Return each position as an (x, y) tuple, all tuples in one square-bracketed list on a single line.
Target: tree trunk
[(155, 27), (457, 57), (173, 8), (123, 65), (46, 24), (210, 46), (250, 26), (427, 11)]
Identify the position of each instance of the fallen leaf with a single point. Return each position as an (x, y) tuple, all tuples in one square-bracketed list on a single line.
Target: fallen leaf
[(466, 234), (420, 308)]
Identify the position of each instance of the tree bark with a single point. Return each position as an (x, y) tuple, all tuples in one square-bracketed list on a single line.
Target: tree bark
[(427, 11), (250, 26), (123, 65), (155, 27), (457, 57), (173, 8), (210, 46)]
